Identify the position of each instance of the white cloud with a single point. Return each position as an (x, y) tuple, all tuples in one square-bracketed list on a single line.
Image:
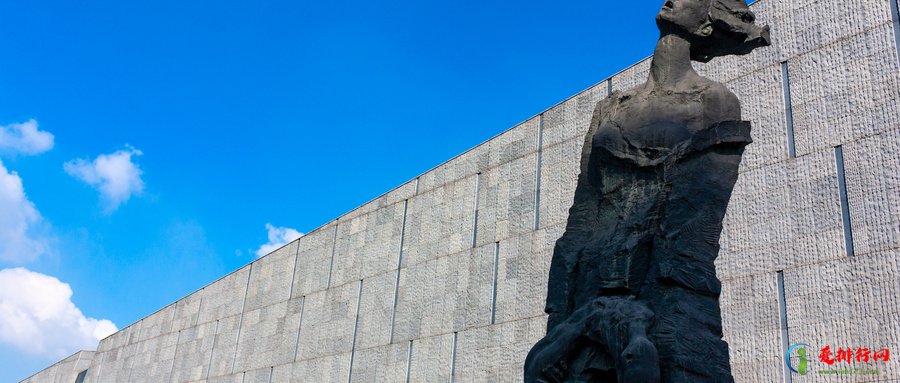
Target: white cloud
[(114, 175), (37, 316), (19, 220), (24, 138), (278, 237)]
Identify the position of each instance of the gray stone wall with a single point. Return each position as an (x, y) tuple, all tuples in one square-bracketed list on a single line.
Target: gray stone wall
[(444, 278), (64, 371)]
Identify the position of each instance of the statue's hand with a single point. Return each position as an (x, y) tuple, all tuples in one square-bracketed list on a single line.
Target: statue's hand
[(555, 373)]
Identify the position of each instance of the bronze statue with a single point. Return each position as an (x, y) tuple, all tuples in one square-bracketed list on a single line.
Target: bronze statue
[(657, 170)]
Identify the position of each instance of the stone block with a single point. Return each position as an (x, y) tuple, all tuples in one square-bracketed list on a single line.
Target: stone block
[(187, 311), (375, 310), (328, 321), (440, 221), (268, 336), (873, 189), (845, 91), (270, 278), (225, 297), (522, 274), (445, 295), (506, 200), (571, 118), (192, 356), (223, 353), (152, 360), (497, 353), (431, 359), (326, 369), (514, 143), (368, 244), (385, 363), (560, 167), (314, 261)]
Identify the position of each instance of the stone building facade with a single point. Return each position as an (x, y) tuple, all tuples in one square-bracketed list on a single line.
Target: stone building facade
[(443, 279)]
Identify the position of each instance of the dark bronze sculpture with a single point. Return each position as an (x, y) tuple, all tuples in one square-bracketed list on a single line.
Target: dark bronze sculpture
[(633, 293)]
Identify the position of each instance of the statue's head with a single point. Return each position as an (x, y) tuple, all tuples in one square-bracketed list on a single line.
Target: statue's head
[(714, 27)]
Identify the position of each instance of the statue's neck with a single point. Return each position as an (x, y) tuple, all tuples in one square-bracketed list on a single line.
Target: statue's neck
[(671, 61)]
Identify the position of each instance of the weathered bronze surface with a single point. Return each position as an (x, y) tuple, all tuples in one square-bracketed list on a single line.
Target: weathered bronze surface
[(633, 293)]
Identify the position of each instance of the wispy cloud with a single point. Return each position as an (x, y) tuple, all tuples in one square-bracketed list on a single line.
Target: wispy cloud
[(116, 176), (20, 240), (24, 138), (37, 316), (278, 237)]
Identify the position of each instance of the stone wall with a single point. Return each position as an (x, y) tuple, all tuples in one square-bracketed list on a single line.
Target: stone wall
[(444, 277)]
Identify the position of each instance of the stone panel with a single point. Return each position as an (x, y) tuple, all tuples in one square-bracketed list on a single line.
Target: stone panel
[(368, 244), (630, 77), (514, 143), (224, 346), (522, 274), (268, 336), (506, 200), (328, 320), (762, 102), (327, 369), (313, 261), (158, 323), (192, 356), (572, 117), (782, 216), (187, 311), (225, 297), (462, 166), (270, 279), (402, 192), (380, 364), (851, 302), (153, 360), (497, 353), (873, 188), (752, 327), (445, 295), (440, 222), (559, 175), (375, 311), (845, 91), (431, 359)]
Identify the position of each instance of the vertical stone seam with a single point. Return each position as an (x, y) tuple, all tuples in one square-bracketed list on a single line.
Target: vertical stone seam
[(788, 109), (237, 342), (333, 248), (174, 356), (537, 176), (409, 352), (294, 271), (399, 263), (475, 212), (271, 372), (299, 328), (355, 329), (895, 15), (845, 201), (212, 350), (199, 307), (131, 367), (783, 319), (453, 358), (494, 283)]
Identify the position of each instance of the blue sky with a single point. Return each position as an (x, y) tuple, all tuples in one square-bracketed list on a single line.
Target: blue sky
[(180, 129)]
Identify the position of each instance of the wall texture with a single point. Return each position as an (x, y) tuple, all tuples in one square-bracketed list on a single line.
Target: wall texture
[(444, 277)]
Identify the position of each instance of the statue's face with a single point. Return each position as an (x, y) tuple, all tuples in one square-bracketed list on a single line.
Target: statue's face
[(687, 15)]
